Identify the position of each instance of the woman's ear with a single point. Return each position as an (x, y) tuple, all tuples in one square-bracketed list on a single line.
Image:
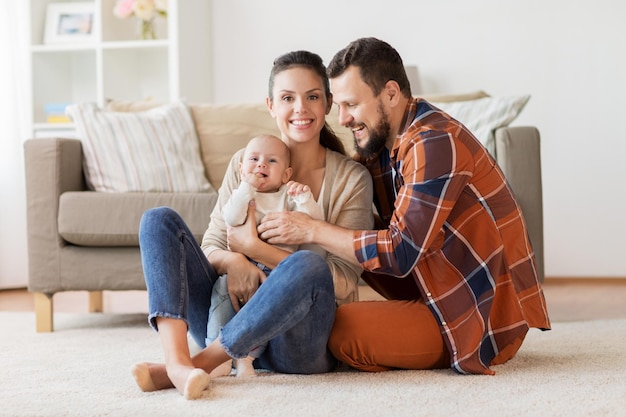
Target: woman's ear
[(270, 106)]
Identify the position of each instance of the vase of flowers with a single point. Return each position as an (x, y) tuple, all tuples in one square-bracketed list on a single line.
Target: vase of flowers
[(145, 11)]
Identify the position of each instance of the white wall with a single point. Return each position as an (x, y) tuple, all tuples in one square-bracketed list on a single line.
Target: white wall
[(570, 56), (13, 252)]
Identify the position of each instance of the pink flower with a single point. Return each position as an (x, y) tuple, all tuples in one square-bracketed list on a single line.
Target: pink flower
[(141, 9), (123, 8)]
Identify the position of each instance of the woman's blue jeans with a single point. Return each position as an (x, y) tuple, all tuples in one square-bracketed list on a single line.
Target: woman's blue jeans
[(292, 312)]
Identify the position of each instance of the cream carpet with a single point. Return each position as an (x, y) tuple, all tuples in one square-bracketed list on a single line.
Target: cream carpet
[(577, 369)]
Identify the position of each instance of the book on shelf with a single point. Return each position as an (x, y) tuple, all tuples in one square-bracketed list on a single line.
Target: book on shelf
[(55, 112), (58, 118)]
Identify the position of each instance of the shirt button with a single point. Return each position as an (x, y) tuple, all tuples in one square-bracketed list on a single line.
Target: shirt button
[(443, 323), (428, 294)]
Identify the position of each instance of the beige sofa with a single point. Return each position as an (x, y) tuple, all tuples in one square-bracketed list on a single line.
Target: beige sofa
[(84, 240)]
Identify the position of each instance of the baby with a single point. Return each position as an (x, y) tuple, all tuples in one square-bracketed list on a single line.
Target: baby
[(265, 170)]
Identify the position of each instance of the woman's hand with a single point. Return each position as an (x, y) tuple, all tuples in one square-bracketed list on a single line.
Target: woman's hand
[(244, 279), (288, 227)]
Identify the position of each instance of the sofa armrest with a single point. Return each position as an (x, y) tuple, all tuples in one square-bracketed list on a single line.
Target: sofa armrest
[(53, 166), (518, 153)]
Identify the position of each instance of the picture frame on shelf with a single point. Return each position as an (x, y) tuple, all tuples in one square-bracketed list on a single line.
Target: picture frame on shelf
[(69, 22)]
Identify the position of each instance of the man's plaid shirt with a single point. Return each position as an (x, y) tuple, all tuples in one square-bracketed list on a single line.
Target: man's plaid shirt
[(454, 227)]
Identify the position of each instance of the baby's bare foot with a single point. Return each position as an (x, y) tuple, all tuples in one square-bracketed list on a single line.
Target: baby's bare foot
[(245, 369)]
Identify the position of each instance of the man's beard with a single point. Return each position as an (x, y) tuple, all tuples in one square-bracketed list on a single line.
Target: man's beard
[(378, 136)]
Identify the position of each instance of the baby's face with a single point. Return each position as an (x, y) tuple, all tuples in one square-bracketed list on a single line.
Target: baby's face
[(266, 161)]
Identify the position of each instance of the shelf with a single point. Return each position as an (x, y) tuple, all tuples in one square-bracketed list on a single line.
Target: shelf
[(67, 76), (53, 126), (63, 47), (131, 74), (134, 44), (46, 130), (157, 43), (114, 64)]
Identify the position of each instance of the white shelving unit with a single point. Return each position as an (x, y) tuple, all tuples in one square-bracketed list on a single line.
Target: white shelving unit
[(114, 64)]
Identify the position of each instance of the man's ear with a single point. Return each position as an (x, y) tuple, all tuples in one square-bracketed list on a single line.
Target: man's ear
[(392, 93), (287, 175)]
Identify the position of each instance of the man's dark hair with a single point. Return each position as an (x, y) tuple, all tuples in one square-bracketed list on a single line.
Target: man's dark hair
[(377, 61)]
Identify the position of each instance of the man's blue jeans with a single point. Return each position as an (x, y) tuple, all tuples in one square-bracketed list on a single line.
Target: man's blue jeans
[(293, 311)]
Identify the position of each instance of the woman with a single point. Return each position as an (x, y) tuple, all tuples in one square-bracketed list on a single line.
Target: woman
[(292, 312)]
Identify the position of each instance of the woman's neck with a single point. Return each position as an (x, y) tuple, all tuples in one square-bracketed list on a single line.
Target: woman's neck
[(308, 164)]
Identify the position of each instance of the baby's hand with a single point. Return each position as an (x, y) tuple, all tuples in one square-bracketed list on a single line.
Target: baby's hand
[(295, 188), (255, 180)]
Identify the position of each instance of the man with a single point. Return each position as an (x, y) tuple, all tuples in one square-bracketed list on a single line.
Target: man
[(453, 256)]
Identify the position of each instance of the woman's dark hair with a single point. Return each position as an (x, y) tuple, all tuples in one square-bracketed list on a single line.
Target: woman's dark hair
[(309, 60), (377, 61)]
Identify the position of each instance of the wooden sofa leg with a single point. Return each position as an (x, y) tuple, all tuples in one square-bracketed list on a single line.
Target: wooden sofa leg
[(43, 312), (95, 302)]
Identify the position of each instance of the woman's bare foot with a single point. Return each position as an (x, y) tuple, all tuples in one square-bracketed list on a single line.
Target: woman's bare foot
[(151, 376), (141, 373), (190, 381), (197, 382)]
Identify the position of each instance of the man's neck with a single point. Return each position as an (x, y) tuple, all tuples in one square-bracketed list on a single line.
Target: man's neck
[(396, 122)]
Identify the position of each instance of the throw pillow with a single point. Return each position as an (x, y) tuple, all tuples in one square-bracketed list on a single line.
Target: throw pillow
[(149, 151), (484, 115)]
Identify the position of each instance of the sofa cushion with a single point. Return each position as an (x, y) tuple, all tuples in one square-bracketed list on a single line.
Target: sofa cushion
[(112, 219), (484, 115), (223, 129), (155, 150)]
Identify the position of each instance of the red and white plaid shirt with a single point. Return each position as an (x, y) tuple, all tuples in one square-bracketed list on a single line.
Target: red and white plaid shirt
[(454, 227)]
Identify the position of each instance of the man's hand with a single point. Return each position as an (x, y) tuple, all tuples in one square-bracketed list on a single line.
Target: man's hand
[(289, 227), (295, 228)]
